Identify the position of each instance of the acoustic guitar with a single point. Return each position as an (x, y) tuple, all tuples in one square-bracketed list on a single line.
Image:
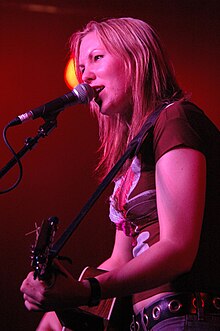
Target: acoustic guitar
[(109, 315)]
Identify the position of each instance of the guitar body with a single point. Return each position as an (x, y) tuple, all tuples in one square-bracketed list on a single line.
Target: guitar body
[(110, 315)]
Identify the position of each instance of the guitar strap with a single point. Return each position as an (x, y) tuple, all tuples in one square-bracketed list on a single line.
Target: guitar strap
[(132, 150)]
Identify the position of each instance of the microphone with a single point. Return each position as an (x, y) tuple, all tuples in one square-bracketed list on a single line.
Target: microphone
[(82, 93)]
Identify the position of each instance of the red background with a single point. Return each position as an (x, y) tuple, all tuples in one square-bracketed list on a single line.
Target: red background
[(59, 173)]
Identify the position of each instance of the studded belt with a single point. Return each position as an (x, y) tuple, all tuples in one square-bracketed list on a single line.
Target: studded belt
[(179, 304)]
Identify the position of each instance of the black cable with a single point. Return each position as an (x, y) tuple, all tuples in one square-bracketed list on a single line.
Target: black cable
[(17, 160)]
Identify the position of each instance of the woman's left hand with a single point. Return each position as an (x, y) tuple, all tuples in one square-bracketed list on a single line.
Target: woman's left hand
[(62, 291)]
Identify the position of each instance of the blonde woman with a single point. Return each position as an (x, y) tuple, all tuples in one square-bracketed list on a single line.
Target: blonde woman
[(164, 204)]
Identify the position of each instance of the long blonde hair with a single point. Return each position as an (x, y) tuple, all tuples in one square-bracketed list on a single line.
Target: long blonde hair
[(149, 75)]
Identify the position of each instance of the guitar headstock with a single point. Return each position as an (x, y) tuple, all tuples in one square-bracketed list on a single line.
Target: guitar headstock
[(41, 252)]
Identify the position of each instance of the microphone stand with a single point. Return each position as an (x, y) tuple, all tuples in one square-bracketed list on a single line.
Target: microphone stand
[(43, 131)]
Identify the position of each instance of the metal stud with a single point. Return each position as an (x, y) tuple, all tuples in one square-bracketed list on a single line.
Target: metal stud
[(145, 319), (216, 302), (174, 306), (156, 312), (135, 326)]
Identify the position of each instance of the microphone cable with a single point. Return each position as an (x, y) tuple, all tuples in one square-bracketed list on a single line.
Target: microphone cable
[(17, 161)]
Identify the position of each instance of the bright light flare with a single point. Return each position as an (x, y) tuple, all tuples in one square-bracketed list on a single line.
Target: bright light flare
[(70, 74)]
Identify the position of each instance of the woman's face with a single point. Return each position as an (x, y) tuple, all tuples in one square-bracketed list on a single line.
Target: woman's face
[(106, 73)]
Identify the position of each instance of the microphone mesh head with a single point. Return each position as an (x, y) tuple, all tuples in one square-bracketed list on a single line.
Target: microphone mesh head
[(85, 92)]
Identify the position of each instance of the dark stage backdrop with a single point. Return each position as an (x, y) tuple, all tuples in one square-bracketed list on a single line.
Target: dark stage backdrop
[(59, 173)]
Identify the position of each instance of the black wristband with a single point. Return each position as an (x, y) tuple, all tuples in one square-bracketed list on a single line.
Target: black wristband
[(95, 292)]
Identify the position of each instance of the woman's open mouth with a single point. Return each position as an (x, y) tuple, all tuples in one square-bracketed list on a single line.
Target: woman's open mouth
[(98, 91)]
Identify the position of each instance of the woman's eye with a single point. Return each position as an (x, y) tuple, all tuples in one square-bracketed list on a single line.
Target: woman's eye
[(98, 57)]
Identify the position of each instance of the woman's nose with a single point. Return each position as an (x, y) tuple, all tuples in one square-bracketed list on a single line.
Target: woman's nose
[(88, 75)]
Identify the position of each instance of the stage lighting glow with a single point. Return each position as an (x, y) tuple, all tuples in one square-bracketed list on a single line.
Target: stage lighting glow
[(70, 75)]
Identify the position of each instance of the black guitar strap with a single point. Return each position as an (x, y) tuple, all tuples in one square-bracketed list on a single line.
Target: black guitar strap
[(132, 150)]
